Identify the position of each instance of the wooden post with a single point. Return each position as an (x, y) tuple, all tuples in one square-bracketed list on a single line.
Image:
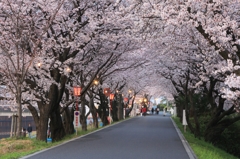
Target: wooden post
[(11, 134), (184, 122), (15, 125)]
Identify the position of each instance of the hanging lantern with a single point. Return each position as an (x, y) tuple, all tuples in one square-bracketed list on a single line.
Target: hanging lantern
[(106, 91), (77, 90), (125, 99), (111, 96)]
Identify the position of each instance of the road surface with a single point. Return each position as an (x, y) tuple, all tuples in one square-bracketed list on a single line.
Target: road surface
[(142, 137)]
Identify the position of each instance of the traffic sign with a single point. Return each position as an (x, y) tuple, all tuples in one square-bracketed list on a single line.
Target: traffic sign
[(76, 118)]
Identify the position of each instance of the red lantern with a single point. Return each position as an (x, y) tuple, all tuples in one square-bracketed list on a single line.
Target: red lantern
[(106, 91), (125, 99), (77, 90), (111, 96)]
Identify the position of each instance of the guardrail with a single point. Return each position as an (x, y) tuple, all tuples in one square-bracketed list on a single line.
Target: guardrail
[(4, 133), (12, 113)]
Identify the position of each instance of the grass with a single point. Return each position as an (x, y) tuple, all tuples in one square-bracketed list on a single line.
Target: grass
[(11, 148), (202, 149)]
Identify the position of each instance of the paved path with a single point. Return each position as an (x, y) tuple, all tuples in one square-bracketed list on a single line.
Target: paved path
[(149, 137)]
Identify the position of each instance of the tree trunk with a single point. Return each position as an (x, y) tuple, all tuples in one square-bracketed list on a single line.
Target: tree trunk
[(103, 115), (120, 107), (128, 111), (197, 125), (93, 111), (220, 120), (189, 124), (68, 121), (41, 121), (192, 113), (114, 111), (56, 126), (41, 128), (179, 110), (83, 118), (132, 106), (102, 108), (95, 119), (19, 118)]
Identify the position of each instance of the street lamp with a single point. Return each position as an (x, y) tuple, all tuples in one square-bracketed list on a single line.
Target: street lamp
[(95, 82), (39, 64), (106, 91), (145, 100), (124, 109), (111, 97), (77, 93), (68, 69), (125, 99)]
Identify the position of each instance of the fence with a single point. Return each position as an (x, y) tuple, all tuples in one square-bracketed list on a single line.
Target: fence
[(5, 124)]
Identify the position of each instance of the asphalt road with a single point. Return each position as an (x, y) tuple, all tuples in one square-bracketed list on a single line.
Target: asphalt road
[(149, 137)]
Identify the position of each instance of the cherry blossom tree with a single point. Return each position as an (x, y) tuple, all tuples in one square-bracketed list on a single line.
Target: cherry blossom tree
[(187, 48), (77, 48), (22, 30), (217, 22), (213, 54), (65, 64)]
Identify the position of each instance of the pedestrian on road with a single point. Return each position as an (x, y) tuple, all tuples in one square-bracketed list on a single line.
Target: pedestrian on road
[(164, 111), (152, 110), (29, 130), (144, 111), (157, 110)]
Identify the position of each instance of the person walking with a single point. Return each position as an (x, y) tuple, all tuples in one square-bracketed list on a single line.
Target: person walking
[(152, 110), (157, 110), (29, 130), (164, 111), (144, 111)]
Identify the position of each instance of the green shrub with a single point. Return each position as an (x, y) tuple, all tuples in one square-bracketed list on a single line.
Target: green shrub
[(229, 139), (203, 121)]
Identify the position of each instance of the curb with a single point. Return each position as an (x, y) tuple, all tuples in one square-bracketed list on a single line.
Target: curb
[(187, 147)]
